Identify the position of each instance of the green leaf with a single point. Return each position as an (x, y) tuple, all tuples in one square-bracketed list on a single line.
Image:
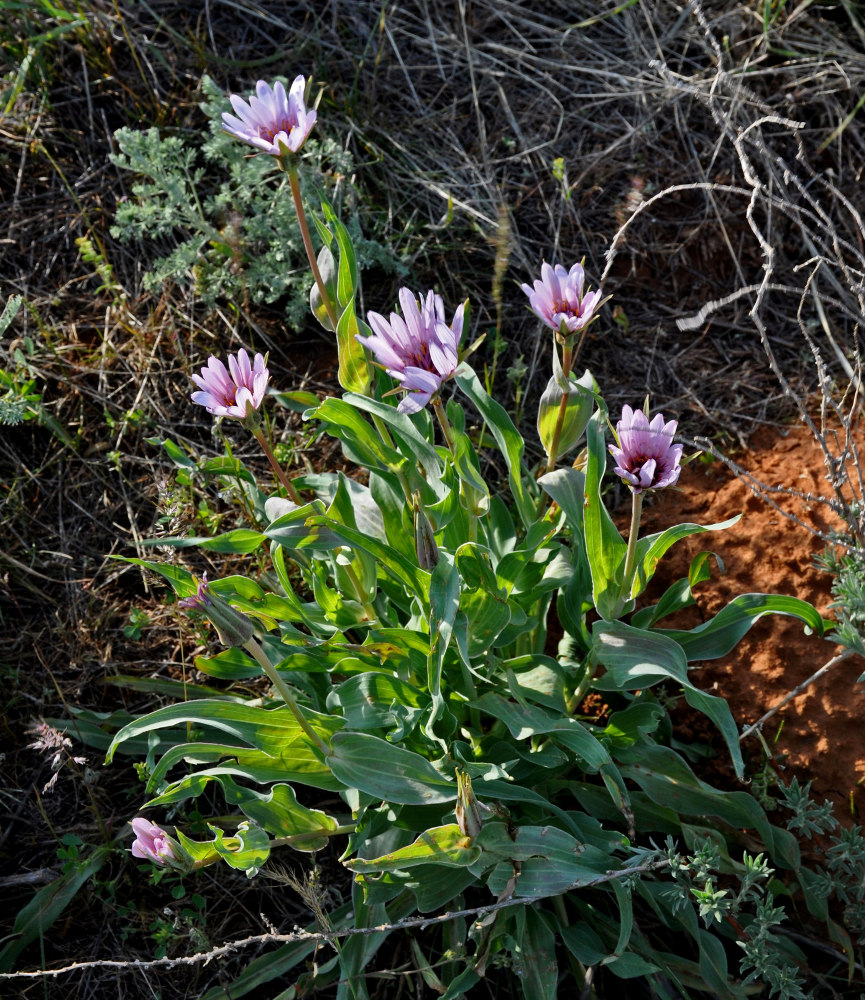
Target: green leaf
[(444, 601), (461, 984), (507, 437), (387, 772), (605, 547), (10, 310), (367, 699), (651, 548), (713, 965), (465, 462), (264, 969), (47, 904), (231, 664), (327, 270), (636, 659), (344, 421), (354, 373), (442, 845), (230, 468), (524, 721), (551, 861), (412, 444), (242, 540), (536, 960), (298, 400), (625, 903), (432, 891), (679, 594), (279, 812), (720, 634), (247, 850), (177, 455), (182, 580), (669, 782), (393, 562), (295, 530), (273, 731), (483, 602), (578, 408), (631, 966), (167, 686), (583, 943)]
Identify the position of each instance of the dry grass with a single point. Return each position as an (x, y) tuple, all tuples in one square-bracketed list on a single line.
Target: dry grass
[(703, 173)]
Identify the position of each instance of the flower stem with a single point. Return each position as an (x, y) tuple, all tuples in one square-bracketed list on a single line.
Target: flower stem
[(630, 556), (300, 837), (277, 468), (467, 493), (307, 243), (444, 423), (284, 690), (563, 409)]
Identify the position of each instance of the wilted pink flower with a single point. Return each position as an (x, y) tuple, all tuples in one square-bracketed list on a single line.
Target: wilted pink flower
[(233, 627), (646, 457), (558, 299), (272, 121), (418, 348), (231, 392), (199, 599), (151, 842)]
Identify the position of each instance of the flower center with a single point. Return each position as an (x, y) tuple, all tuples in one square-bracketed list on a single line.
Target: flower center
[(270, 133), (638, 461), (421, 357)]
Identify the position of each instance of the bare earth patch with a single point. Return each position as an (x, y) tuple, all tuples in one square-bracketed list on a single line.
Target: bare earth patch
[(822, 732)]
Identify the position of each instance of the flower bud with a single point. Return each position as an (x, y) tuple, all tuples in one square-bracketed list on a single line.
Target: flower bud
[(233, 627), (153, 843), (578, 410), (327, 269), (424, 536), (468, 809)]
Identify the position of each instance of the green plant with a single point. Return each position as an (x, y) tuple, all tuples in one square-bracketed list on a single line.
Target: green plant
[(416, 641), (236, 231)]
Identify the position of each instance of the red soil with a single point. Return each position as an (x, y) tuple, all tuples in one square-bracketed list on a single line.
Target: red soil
[(823, 731)]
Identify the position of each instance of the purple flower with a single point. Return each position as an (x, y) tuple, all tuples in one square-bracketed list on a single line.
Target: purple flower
[(558, 298), (232, 626), (231, 392), (198, 600), (151, 842), (646, 457), (418, 348), (273, 121)]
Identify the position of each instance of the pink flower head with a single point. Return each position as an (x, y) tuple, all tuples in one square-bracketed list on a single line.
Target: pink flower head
[(273, 121), (199, 599), (646, 457), (418, 348), (151, 842), (231, 392), (558, 298), (232, 626)]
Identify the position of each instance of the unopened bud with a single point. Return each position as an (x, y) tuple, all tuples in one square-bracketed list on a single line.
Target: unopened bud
[(424, 536), (327, 269), (152, 843), (468, 810), (232, 626), (578, 410)]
